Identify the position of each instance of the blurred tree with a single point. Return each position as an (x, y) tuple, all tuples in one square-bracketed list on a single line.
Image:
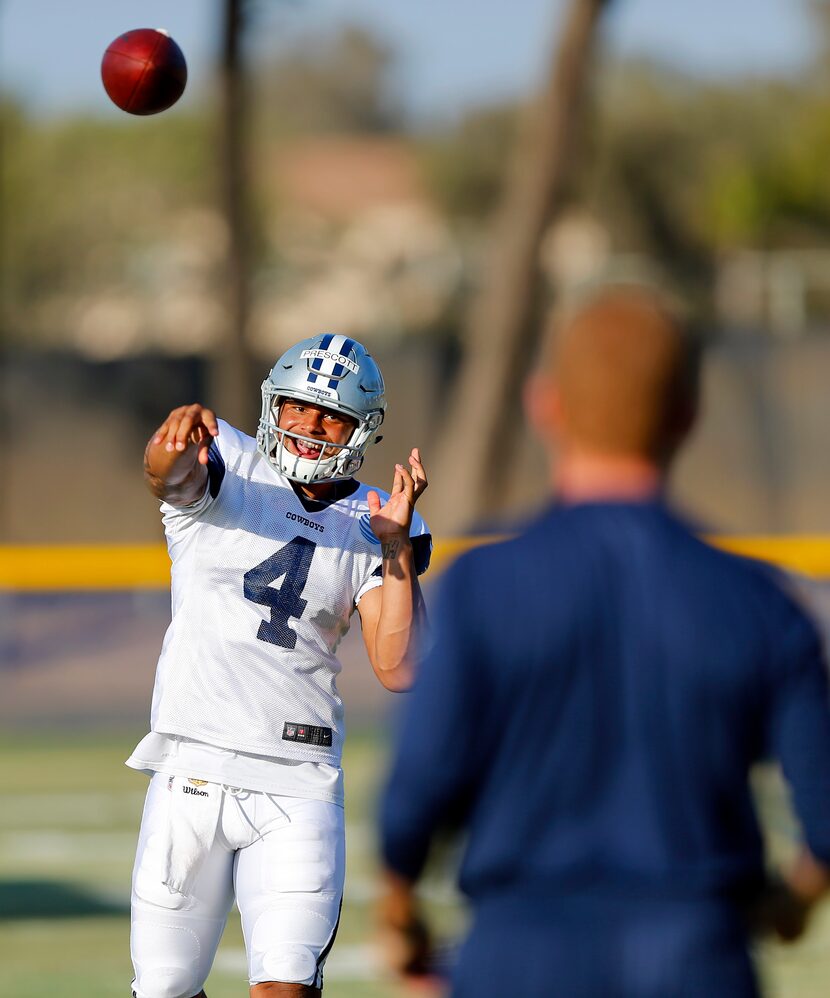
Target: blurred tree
[(677, 170), (337, 82), (687, 170), (642, 171), (820, 14), (233, 380), (465, 164), (501, 330), (81, 199)]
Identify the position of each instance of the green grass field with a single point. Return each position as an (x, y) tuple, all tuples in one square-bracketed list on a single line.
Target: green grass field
[(67, 833)]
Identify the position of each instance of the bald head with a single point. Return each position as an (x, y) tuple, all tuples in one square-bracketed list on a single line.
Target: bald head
[(624, 372)]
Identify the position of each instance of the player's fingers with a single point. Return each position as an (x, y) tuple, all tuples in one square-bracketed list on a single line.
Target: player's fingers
[(160, 433), (184, 431), (192, 426), (373, 499), (407, 482), (172, 425), (210, 421), (202, 436), (179, 426), (204, 448), (397, 481), (418, 472)]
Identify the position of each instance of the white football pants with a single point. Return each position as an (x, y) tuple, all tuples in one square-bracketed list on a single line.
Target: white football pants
[(283, 858)]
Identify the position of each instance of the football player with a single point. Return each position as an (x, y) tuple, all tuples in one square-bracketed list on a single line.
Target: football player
[(273, 544)]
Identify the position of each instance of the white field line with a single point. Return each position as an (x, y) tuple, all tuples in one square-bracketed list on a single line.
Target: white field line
[(81, 847), (70, 845), (69, 808), (67, 847), (47, 838), (78, 848), (103, 808)]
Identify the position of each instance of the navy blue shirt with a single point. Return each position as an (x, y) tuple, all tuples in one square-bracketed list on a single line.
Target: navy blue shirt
[(597, 692)]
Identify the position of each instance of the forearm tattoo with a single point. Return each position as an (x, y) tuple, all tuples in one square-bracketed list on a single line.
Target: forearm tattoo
[(390, 549)]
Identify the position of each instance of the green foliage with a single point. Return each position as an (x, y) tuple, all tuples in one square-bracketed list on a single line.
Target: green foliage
[(762, 181), (92, 205), (80, 195), (682, 171), (675, 169), (465, 165), (641, 161), (339, 82)]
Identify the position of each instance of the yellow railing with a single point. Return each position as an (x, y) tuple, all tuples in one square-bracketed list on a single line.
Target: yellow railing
[(146, 566)]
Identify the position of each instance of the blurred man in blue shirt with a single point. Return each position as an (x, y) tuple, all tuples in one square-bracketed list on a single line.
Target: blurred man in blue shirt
[(598, 690)]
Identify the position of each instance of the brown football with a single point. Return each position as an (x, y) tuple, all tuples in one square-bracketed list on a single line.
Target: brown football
[(144, 71)]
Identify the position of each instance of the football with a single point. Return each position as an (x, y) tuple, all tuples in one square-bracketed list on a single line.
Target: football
[(144, 71)]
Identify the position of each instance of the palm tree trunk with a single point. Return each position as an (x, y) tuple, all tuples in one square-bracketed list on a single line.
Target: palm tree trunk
[(233, 389), (482, 419)]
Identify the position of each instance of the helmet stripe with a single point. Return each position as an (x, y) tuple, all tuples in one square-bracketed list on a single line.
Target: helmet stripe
[(342, 345), (336, 344), (344, 350), (337, 370), (317, 363)]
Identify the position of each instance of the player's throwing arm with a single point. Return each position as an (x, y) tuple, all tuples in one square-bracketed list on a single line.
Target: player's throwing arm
[(176, 456)]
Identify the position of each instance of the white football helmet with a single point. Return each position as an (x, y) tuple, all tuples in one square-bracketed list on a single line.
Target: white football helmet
[(338, 373)]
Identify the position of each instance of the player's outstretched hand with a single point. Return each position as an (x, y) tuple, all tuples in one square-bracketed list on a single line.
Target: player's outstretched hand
[(185, 427), (394, 517)]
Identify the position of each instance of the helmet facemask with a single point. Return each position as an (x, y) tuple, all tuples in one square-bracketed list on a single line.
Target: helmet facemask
[(335, 462)]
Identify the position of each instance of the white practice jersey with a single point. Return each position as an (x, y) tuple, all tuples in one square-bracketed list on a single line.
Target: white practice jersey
[(264, 584)]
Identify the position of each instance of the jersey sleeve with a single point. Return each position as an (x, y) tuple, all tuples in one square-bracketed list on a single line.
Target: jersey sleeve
[(421, 538)]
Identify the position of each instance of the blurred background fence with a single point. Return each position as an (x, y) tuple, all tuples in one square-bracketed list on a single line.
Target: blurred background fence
[(82, 627)]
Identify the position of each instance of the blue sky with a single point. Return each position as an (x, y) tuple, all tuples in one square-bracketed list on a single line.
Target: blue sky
[(453, 52)]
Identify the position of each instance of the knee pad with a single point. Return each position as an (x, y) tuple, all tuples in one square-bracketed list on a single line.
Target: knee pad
[(288, 945), (167, 960), (290, 963), (166, 982)]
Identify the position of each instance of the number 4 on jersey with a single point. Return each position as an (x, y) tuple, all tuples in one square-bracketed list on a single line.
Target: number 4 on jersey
[(292, 561)]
